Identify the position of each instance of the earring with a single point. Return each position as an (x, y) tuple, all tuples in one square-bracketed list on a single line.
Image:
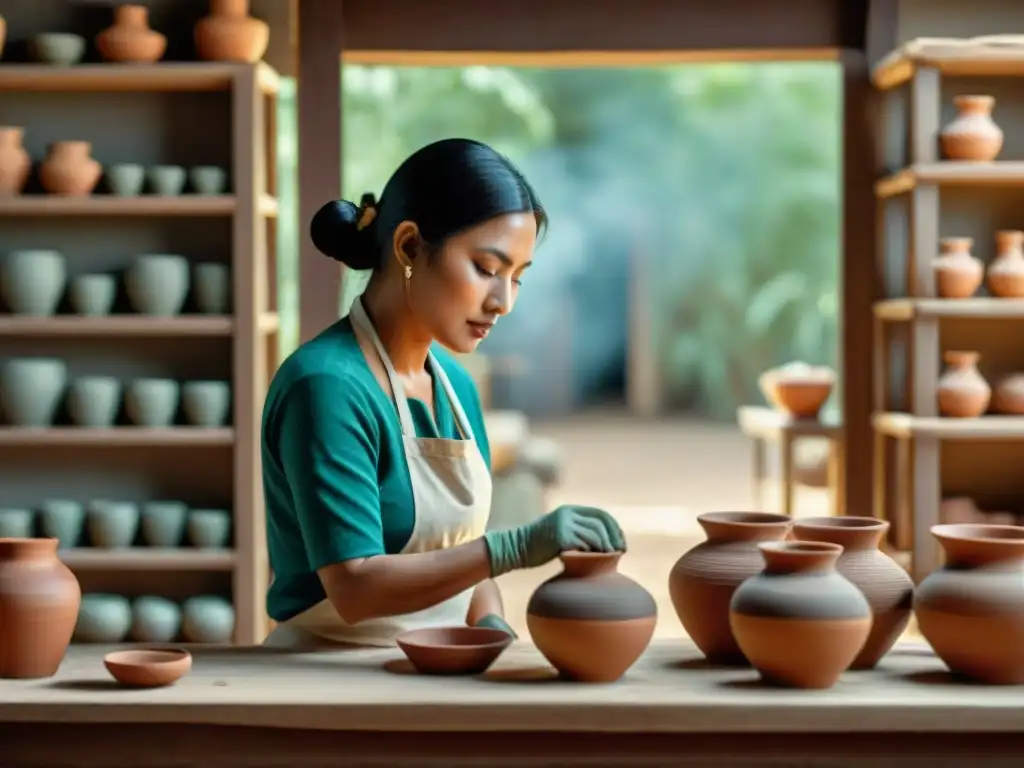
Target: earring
[(408, 272)]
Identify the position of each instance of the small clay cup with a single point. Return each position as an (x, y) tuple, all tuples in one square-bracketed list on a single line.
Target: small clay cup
[(94, 401), (208, 619), (33, 281), (92, 295), (155, 620), (157, 284), (16, 523), (152, 402), (112, 524), (62, 519), (209, 528), (148, 669), (60, 48), (167, 180), (453, 650), (103, 618), (211, 286), (206, 403), (208, 179), (126, 179), (163, 523)]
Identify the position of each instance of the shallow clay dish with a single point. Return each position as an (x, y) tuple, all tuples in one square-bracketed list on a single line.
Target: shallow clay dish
[(148, 669), (453, 650)]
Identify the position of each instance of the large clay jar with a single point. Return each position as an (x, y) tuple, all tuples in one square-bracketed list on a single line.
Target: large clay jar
[(31, 390), (957, 273), (32, 282), (1008, 397), (130, 39), (799, 622), (229, 33), (39, 599), (703, 581), (798, 389), (15, 163), (591, 622), (888, 588), (1006, 272), (971, 610), (69, 170), (963, 392), (972, 134)]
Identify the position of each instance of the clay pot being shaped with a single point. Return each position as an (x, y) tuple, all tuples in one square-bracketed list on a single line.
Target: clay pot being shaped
[(157, 284), (130, 39), (972, 134), (1008, 397), (591, 622), (798, 389), (887, 587), (69, 170), (799, 622), (32, 282), (957, 273), (963, 392), (208, 619), (703, 581), (1006, 272), (31, 389), (230, 34), (39, 600), (971, 610), (15, 163)]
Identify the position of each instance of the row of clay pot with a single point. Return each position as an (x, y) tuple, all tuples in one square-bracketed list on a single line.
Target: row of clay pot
[(972, 134), (33, 282), (105, 618), (798, 389), (958, 274), (118, 524), (33, 388), (963, 392)]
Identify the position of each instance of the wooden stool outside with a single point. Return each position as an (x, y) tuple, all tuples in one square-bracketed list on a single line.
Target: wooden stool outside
[(766, 425)]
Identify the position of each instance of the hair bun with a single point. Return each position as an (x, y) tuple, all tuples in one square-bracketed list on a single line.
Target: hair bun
[(335, 233)]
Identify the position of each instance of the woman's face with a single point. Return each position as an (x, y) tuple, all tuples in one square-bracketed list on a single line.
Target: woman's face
[(460, 293)]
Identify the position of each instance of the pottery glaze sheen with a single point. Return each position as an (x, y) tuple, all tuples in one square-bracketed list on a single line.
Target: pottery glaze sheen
[(229, 33), (591, 622), (957, 273), (972, 134)]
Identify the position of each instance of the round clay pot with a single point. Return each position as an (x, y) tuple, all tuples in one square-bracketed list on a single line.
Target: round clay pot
[(16, 523), (103, 618), (887, 587), (15, 164), (126, 179), (1008, 397), (69, 170), (1006, 272), (971, 610), (33, 282), (591, 622), (963, 393), (142, 668), (92, 295), (62, 519), (957, 273), (211, 285), (797, 389), (31, 390), (130, 39), (155, 620), (972, 134), (208, 179), (60, 48), (157, 284), (112, 524), (152, 402), (703, 581), (209, 528), (230, 34), (166, 180), (799, 622), (163, 523), (206, 403), (39, 599), (208, 619), (94, 401)]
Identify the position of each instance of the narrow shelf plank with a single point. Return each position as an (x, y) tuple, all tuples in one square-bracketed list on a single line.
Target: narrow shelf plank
[(953, 57), (148, 559), (904, 425), (164, 76), (144, 205), (902, 310), (117, 325), (952, 173), (117, 437)]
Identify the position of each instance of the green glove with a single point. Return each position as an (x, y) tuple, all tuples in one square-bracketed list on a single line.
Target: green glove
[(567, 528), (494, 621)]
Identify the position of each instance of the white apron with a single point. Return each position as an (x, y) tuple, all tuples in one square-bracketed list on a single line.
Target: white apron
[(451, 489)]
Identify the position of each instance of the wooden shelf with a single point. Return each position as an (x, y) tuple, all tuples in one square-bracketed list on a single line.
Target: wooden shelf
[(117, 437), (160, 77), (148, 559), (903, 310), (60, 326), (144, 205), (952, 173), (975, 57), (903, 425)]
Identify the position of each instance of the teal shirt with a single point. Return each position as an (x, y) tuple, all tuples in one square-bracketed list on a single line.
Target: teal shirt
[(335, 477)]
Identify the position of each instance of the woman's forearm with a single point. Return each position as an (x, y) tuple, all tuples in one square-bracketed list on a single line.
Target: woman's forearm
[(486, 601)]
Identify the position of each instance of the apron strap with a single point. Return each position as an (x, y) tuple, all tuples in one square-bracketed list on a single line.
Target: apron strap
[(461, 421), (360, 318)]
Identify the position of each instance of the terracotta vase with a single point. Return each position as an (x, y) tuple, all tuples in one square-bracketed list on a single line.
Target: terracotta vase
[(130, 39), (1008, 397), (887, 587), (1006, 272), (971, 610), (229, 33), (703, 580), (69, 170), (15, 163), (957, 273), (798, 389), (972, 134), (963, 392), (39, 600), (591, 622), (799, 622)]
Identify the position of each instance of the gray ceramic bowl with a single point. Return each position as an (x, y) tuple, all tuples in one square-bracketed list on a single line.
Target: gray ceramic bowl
[(59, 48), (103, 618)]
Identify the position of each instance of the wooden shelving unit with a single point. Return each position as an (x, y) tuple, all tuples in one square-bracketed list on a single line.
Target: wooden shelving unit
[(189, 114), (922, 199)]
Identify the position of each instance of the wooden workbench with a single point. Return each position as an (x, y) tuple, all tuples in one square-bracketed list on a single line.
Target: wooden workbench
[(247, 707)]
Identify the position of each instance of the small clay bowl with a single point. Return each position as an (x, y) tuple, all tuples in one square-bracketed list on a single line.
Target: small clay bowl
[(148, 669), (453, 650)]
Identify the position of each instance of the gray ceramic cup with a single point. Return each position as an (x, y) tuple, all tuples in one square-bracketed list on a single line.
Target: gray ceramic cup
[(163, 523), (126, 179), (62, 519), (152, 402), (92, 295), (211, 286), (112, 524), (208, 619), (155, 620), (208, 179), (16, 523), (157, 284), (103, 618), (59, 48), (31, 389), (209, 528), (33, 281), (206, 403), (166, 180), (93, 401)]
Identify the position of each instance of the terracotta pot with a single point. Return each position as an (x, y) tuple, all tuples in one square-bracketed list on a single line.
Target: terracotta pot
[(15, 163), (972, 134), (1008, 397), (3, 34), (971, 610), (39, 600), (130, 39), (590, 621), (229, 33), (799, 621), (703, 581), (963, 392), (957, 273), (69, 170), (798, 389), (888, 588), (1006, 272)]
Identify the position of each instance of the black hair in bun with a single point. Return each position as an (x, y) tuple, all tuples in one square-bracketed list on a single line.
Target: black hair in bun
[(335, 233)]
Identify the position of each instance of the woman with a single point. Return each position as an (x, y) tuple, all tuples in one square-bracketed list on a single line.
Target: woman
[(375, 459)]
